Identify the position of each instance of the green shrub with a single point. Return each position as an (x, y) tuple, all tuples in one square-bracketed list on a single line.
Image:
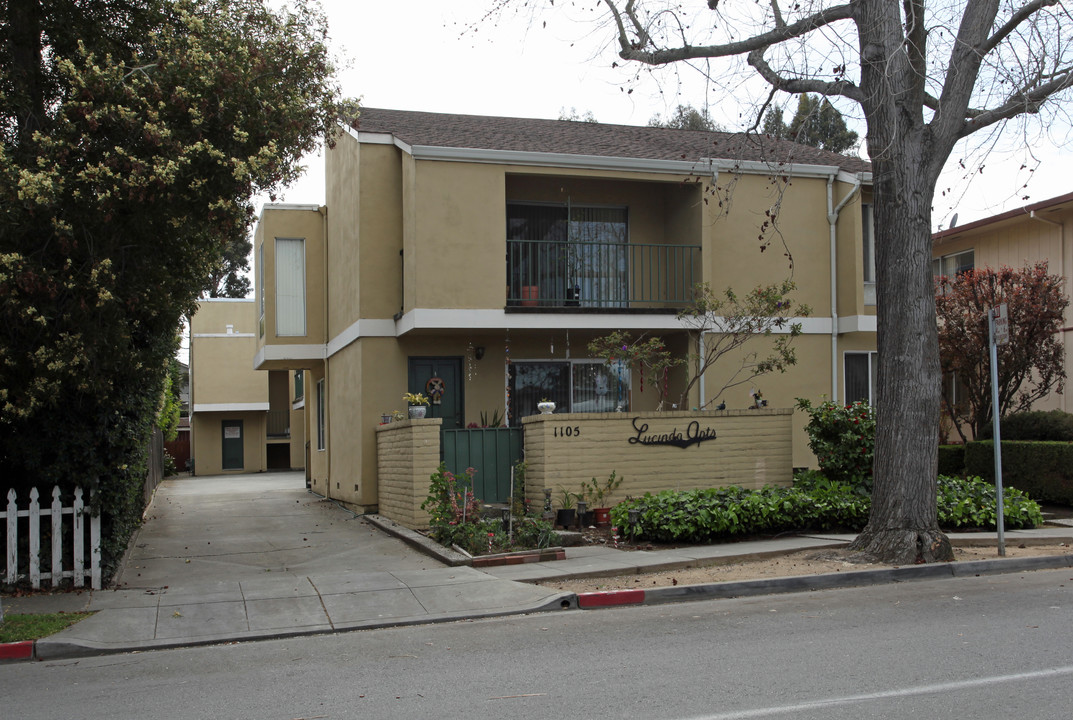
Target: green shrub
[(455, 518), (1053, 425), (1044, 470), (951, 460), (970, 503), (814, 503), (843, 438)]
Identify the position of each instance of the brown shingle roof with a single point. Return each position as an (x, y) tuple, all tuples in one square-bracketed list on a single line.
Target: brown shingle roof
[(598, 139)]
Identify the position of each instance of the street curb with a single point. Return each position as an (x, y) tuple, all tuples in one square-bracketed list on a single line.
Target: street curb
[(827, 581), (58, 649), (13, 651)]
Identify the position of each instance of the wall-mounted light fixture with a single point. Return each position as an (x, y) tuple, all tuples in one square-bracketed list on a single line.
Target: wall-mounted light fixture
[(479, 351)]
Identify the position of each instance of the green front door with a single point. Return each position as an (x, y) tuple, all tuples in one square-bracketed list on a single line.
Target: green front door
[(232, 445), (440, 378)]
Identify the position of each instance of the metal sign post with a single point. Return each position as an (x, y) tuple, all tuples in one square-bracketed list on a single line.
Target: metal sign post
[(998, 329)]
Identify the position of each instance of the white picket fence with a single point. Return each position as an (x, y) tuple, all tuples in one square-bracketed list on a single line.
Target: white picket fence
[(79, 572)]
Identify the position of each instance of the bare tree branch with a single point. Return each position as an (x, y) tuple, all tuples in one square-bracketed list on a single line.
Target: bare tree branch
[(801, 85), (1025, 102), (635, 50)]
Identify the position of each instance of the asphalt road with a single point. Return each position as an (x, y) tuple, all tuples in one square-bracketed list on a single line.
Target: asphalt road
[(993, 647)]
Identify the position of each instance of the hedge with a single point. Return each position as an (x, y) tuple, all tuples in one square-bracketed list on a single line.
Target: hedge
[(952, 460), (1044, 470)]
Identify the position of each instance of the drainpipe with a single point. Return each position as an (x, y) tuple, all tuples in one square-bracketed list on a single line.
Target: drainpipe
[(323, 210), (832, 221), (1061, 268), (700, 354)]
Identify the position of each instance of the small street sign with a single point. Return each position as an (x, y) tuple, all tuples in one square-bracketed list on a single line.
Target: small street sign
[(1002, 325)]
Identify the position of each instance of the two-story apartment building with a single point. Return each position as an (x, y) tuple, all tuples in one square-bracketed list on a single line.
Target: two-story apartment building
[(241, 420), (1017, 238), (474, 258)]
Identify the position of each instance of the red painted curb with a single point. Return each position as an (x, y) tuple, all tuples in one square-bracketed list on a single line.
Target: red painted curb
[(610, 598), (17, 650)]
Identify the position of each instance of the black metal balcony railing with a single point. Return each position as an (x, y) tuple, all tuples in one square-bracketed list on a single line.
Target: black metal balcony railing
[(279, 423), (543, 273)]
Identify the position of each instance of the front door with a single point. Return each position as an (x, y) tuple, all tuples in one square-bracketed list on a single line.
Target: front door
[(440, 379), (232, 445)]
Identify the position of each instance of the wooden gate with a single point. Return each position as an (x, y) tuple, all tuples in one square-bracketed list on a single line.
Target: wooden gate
[(492, 452)]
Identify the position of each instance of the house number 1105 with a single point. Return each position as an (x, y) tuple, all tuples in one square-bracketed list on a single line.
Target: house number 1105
[(574, 431)]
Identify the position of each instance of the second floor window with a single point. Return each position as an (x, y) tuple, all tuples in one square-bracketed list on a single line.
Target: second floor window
[(290, 287), (868, 244), (573, 255)]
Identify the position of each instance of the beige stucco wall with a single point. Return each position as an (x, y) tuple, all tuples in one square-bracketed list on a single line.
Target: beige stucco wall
[(283, 222), (207, 442), (408, 453), (448, 220), (751, 448)]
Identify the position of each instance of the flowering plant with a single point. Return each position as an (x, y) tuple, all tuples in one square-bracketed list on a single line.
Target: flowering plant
[(415, 399)]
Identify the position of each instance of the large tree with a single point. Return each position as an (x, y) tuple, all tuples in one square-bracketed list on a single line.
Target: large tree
[(1030, 366), (925, 75), (133, 134)]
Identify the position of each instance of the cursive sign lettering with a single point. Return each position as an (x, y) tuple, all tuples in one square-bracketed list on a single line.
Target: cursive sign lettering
[(693, 435)]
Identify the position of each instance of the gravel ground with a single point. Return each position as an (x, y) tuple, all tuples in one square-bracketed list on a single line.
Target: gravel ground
[(806, 562)]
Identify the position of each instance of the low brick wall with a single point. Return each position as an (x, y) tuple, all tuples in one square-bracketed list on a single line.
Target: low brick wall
[(658, 451), (407, 453)]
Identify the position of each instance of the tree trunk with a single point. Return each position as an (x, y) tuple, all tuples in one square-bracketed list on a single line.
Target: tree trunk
[(903, 527)]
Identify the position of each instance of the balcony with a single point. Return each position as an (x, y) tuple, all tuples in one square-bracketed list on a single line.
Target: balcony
[(600, 276), (279, 424)]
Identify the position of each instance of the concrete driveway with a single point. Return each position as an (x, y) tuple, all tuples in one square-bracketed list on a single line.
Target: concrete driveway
[(239, 527)]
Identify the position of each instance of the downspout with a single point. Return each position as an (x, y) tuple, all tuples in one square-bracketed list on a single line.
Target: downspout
[(1061, 270), (323, 210), (832, 221)]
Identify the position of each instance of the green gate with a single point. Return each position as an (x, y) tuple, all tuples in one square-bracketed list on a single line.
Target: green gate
[(492, 452)]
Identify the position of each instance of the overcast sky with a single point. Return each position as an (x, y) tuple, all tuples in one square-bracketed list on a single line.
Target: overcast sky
[(418, 55)]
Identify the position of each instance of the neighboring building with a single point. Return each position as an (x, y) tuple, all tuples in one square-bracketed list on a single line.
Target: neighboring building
[(474, 258), (241, 420), (1025, 236)]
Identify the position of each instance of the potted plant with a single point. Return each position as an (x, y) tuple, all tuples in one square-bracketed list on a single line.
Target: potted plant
[(564, 516), (545, 406), (418, 405), (597, 492)]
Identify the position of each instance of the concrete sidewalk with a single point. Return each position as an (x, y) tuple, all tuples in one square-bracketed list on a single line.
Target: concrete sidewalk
[(246, 557), (258, 557)]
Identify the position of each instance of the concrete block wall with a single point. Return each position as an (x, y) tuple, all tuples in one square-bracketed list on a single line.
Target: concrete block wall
[(657, 451), (407, 453)]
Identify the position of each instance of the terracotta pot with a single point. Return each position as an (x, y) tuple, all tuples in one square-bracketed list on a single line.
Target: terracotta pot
[(603, 517)]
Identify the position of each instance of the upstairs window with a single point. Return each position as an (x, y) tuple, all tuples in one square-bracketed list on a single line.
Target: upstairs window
[(573, 255), (868, 244), (290, 287)]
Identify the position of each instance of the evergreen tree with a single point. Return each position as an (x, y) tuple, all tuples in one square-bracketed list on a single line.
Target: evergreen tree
[(817, 123)]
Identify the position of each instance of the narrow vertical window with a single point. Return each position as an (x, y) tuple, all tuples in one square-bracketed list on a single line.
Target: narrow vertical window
[(261, 288), (290, 287), (321, 434), (868, 244)]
